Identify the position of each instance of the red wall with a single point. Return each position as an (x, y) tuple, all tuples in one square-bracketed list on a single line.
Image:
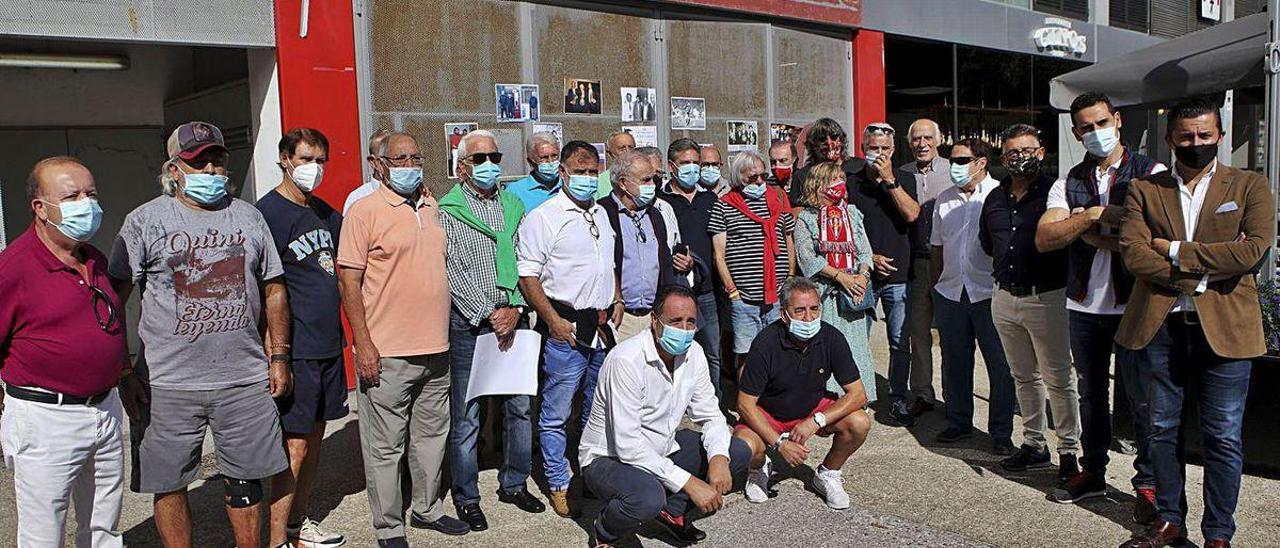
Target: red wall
[(847, 13), (868, 83)]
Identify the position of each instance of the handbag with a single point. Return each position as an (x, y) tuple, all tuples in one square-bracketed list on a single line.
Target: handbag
[(846, 304)]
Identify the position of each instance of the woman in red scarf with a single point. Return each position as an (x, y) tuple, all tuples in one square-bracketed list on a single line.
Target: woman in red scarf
[(832, 249)]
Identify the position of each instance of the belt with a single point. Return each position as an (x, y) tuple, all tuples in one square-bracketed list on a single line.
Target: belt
[(1189, 317), (638, 311), (1023, 290), (54, 398)]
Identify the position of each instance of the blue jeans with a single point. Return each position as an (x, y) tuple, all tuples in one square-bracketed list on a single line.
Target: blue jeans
[(633, 496), (464, 422), (960, 324), (1179, 356), (708, 336), (564, 368), (1091, 345), (748, 320), (893, 299)]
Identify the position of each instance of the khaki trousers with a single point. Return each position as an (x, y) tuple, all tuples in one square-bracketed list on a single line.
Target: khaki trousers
[(1035, 335)]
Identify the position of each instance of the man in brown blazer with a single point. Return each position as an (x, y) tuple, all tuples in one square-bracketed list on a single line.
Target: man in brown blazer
[(1192, 237)]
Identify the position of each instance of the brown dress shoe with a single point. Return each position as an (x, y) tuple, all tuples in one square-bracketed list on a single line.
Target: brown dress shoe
[(1217, 543), (1161, 533)]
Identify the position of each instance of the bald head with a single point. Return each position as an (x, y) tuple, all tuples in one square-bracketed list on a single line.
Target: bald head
[(50, 176)]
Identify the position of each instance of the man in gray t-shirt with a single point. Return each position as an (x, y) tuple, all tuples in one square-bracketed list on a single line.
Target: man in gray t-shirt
[(205, 263)]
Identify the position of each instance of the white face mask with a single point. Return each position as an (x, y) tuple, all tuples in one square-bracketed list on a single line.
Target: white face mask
[(308, 176)]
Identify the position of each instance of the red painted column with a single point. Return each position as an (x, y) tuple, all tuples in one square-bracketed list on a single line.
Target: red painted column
[(868, 83)]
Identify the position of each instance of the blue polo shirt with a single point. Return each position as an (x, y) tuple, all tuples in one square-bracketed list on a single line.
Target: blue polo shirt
[(531, 192)]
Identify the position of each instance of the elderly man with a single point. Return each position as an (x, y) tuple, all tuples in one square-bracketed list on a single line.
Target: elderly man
[(205, 263), (633, 457), (305, 230), (643, 239), (783, 400), (1029, 305), (542, 153), (565, 258), (396, 295), (1193, 238), (709, 176), (618, 142), (932, 175), (782, 161), (60, 365), (480, 222), (376, 169), (887, 199)]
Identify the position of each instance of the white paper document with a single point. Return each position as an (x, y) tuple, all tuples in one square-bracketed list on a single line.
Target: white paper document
[(515, 371)]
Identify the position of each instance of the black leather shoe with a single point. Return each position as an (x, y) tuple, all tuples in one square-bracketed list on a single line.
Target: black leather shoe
[(444, 524), (681, 527), (473, 516), (523, 500)]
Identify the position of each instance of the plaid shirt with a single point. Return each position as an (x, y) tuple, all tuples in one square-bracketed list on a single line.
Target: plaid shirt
[(470, 257)]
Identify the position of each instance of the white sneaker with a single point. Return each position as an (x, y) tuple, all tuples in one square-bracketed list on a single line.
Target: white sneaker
[(310, 535), (830, 485), (757, 488)]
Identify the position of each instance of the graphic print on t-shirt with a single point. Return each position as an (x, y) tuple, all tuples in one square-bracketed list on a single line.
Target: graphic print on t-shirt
[(318, 242), (208, 282)]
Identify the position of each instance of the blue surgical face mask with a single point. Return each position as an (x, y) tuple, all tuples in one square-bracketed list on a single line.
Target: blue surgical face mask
[(710, 175), (486, 175), (960, 175), (80, 219), (583, 187), (1100, 142), (755, 192), (805, 330), (645, 197), (547, 172), (676, 341), (205, 188), (687, 175), (404, 180)]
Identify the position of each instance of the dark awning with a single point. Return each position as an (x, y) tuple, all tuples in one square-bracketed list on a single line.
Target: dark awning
[(1213, 60)]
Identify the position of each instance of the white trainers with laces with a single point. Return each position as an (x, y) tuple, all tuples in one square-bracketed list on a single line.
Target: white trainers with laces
[(830, 485), (310, 535), (757, 488)]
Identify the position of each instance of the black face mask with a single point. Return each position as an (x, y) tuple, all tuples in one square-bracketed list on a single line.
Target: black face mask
[(1024, 167), (1196, 156)]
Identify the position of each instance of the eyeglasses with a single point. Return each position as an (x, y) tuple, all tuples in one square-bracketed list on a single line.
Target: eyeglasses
[(962, 160), (1018, 152), (641, 237), (753, 177), (591, 224), (100, 295), (480, 157), (404, 160), (710, 164), (884, 129)]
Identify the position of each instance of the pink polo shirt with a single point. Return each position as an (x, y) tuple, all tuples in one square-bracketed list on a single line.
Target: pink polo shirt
[(50, 337)]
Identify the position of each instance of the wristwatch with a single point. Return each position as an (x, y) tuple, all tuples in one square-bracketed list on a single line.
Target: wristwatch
[(891, 184), (820, 419), (784, 437)]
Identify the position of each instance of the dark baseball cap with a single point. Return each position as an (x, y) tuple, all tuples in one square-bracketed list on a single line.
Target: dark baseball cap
[(192, 138)]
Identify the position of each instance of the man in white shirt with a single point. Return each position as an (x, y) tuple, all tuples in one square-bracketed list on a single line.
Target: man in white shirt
[(633, 457), (376, 166), (565, 260), (962, 287), (1083, 215)]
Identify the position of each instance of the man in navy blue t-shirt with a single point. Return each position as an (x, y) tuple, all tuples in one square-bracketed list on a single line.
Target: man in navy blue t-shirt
[(305, 230)]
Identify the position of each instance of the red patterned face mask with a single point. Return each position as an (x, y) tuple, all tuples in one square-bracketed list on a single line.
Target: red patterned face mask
[(836, 192)]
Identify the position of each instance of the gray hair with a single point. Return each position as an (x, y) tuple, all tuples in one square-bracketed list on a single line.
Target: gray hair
[(168, 182), (622, 166), (742, 161), (386, 142), (615, 134), (651, 153), (464, 146), (538, 139), (797, 284)]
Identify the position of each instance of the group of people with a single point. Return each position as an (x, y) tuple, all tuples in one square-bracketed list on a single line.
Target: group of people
[(661, 291)]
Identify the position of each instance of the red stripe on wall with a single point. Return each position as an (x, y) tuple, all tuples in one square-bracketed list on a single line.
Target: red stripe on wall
[(833, 12), (868, 83)]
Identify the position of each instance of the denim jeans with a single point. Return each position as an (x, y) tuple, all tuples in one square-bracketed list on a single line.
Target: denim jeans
[(893, 300), (708, 336), (464, 416), (564, 369), (960, 324), (748, 320), (1179, 356), (633, 496), (1091, 345)]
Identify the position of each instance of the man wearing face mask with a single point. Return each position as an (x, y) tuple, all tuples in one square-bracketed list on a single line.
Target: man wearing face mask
[(633, 457), (206, 264), (395, 292), (709, 178), (692, 210), (1029, 305), (61, 428), (543, 182), (962, 300), (1193, 317), (565, 258), (784, 402), (618, 142), (375, 169), (1084, 214), (480, 222), (782, 159), (305, 231)]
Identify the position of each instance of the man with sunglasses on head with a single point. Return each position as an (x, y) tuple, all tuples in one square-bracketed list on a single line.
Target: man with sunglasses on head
[(396, 295), (62, 350), (1029, 305), (206, 264), (565, 258), (542, 154)]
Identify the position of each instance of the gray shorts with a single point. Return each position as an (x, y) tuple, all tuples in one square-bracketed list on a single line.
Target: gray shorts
[(167, 441)]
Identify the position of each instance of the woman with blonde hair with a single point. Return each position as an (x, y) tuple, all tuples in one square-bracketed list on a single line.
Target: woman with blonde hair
[(832, 249)]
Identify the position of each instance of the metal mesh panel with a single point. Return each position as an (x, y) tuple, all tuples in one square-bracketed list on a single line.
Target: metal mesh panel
[(811, 77), (225, 22), (723, 63)]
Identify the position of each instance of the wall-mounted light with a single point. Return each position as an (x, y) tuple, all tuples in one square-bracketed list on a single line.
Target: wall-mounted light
[(63, 61)]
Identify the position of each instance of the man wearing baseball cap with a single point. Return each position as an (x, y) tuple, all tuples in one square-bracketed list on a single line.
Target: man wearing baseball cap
[(206, 265)]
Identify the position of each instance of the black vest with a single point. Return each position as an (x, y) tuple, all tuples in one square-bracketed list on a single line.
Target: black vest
[(666, 272), (1082, 191)]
